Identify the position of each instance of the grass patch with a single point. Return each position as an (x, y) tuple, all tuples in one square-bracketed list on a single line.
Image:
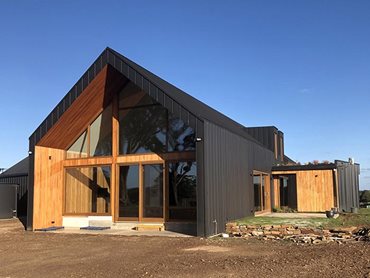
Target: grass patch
[(361, 219)]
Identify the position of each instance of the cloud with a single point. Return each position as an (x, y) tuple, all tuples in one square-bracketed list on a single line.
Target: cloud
[(365, 169)]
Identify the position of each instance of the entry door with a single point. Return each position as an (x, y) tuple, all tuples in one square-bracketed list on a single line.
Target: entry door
[(152, 192), (140, 194), (261, 183)]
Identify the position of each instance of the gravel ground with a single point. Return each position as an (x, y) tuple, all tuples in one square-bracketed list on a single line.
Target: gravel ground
[(29, 254)]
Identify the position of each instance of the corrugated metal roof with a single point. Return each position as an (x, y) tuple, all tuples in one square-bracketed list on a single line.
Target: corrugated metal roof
[(21, 168)]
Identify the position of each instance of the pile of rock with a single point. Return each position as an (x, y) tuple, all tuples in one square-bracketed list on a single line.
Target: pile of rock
[(298, 234)]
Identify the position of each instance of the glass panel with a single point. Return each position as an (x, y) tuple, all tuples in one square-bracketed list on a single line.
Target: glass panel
[(263, 192), (87, 190), (143, 130), (129, 191), (180, 136), (101, 134), (257, 192), (79, 147), (153, 191), (182, 190), (132, 96)]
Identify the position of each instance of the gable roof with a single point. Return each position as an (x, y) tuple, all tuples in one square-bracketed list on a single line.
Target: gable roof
[(19, 169), (175, 100)]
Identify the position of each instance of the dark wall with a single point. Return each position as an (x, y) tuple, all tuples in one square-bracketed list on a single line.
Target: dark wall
[(8, 200), (229, 161), (22, 182), (266, 136), (348, 185)]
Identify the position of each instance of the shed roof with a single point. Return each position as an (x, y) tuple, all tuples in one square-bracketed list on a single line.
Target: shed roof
[(19, 169)]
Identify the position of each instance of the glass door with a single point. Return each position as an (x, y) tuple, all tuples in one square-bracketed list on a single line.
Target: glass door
[(261, 184), (128, 193), (153, 191), (140, 194)]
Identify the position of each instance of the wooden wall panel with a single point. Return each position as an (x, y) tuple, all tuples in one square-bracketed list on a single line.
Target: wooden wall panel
[(84, 109), (48, 188), (82, 191), (315, 190), (276, 188)]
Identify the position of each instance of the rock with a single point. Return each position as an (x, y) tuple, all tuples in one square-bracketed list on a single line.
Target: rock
[(257, 233)]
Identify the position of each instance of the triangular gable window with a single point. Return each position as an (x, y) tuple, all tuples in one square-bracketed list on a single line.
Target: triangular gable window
[(96, 140), (79, 147)]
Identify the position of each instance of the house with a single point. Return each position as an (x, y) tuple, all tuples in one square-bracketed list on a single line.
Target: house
[(124, 145)]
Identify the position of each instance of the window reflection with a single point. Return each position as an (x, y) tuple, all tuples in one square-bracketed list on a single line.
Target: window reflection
[(182, 190)]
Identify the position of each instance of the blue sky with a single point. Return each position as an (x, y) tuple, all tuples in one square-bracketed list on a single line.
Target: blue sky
[(303, 66)]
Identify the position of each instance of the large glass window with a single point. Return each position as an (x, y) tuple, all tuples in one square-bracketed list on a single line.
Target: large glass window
[(181, 137), (148, 127), (87, 190), (143, 129), (182, 190)]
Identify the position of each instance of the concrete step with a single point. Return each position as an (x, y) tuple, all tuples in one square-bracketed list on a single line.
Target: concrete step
[(100, 223), (150, 227), (129, 226)]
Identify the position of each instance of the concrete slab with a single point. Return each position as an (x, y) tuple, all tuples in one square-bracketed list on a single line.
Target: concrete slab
[(119, 232)]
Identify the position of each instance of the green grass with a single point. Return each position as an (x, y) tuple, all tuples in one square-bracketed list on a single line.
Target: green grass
[(361, 219)]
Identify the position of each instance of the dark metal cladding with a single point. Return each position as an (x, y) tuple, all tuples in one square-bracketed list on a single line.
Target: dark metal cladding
[(18, 175), (229, 161), (348, 185), (8, 200), (199, 131)]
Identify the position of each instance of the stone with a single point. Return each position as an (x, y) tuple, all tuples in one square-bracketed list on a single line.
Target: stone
[(257, 233)]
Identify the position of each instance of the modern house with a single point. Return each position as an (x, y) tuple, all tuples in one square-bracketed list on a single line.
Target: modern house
[(124, 145)]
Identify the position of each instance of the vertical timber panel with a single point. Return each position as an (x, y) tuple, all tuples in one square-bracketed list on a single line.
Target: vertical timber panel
[(48, 187)]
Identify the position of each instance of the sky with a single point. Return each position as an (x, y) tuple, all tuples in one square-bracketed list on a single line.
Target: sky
[(302, 66)]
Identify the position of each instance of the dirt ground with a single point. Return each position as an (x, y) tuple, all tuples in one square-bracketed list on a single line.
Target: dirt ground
[(29, 254)]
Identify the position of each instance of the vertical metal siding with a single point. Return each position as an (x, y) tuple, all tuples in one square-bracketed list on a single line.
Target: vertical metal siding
[(348, 184), (229, 161), (8, 200), (200, 179)]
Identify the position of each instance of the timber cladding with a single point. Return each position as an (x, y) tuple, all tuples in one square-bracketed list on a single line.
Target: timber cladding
[(48, 188), (84, 109), (315, 189)]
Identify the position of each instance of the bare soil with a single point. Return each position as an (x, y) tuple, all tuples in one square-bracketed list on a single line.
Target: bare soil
[(30, 254)]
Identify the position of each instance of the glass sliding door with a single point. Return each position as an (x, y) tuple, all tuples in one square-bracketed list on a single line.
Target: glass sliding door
[(140, 194), (153, 191), (129, 192), (261, 184)]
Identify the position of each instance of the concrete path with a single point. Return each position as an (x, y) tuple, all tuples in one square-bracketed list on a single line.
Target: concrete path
[(118, 232), (293, 215)]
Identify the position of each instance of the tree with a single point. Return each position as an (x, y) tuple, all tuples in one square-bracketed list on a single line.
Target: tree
[(365, 196)]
